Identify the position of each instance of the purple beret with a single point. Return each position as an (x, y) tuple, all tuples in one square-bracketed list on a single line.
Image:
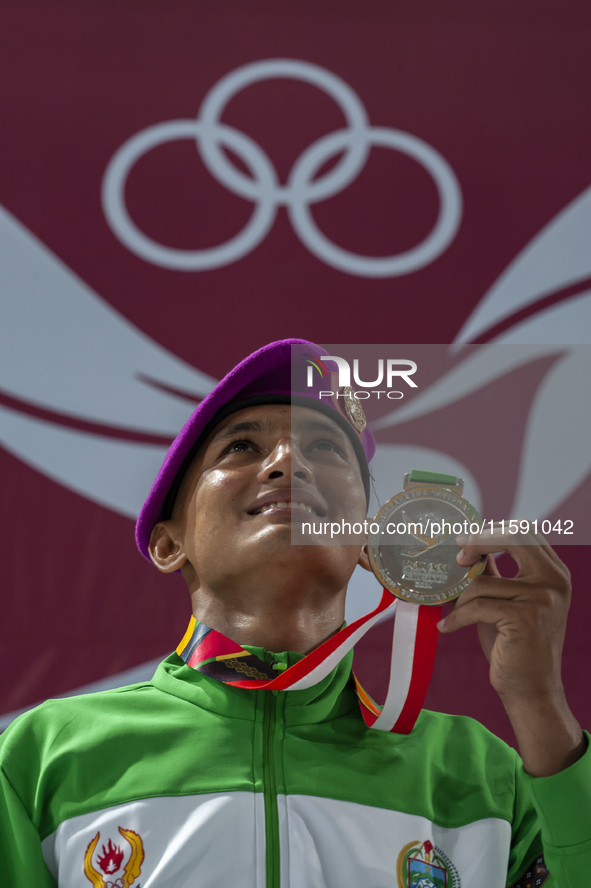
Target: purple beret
[(277, 373)]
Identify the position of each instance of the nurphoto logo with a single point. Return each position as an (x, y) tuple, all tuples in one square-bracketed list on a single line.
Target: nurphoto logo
[(390, 371)]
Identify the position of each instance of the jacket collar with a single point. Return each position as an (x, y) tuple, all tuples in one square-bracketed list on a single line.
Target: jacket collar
[(328, 699)]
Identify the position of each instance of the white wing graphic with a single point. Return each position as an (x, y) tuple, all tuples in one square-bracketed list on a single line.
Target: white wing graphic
[(556, 456), (64, 349), (556, 450), (485, 365), (558, 256), (136, 674), (116, 474)]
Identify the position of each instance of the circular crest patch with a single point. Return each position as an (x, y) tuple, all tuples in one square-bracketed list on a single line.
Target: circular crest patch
[(424, 865)]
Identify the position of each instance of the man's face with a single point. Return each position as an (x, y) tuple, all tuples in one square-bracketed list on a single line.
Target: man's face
[(261, 469)]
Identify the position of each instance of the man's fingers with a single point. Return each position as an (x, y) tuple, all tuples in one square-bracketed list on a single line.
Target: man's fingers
[(530, 551), (492, 611), (530, 559), (494, 586), (490, 568)]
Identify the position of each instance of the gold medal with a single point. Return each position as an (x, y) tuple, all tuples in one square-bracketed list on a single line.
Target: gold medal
[(413, 553)]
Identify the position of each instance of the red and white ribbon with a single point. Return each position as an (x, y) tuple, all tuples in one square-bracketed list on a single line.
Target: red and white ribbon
[(414, 644)]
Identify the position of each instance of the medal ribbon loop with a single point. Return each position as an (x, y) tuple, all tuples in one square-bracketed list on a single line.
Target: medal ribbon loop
[(414, 645)]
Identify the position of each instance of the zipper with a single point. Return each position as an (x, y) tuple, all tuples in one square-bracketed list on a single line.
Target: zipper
[(270, 790)]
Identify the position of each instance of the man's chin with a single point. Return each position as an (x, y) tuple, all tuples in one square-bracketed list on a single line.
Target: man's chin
[(290, 542), (309, 532), (288, 532)]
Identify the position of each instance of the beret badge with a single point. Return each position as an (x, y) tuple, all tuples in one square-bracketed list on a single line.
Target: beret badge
[(353, 409)]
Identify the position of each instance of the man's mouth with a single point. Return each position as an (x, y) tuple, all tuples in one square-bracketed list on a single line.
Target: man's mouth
[(289, 502), (280, 504)]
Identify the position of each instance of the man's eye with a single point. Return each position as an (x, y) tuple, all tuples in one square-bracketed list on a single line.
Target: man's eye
[(239, 446), (327, 444)]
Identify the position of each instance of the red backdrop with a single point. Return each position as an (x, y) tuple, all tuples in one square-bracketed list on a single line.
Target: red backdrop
[(498, 91)]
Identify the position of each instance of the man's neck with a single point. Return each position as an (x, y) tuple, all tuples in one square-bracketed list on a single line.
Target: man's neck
[(280, 620)]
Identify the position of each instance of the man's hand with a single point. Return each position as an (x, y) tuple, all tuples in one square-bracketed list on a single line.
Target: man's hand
[(521, 625)]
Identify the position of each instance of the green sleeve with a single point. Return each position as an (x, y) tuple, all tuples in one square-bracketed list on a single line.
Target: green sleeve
[(21, 860), (563, 806), (526, 841)]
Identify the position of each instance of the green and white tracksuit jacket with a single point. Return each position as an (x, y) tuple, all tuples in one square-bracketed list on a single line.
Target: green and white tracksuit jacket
[(184, 782)]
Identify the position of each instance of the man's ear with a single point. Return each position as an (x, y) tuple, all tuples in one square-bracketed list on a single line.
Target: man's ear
[(167, 554), (364, 559)]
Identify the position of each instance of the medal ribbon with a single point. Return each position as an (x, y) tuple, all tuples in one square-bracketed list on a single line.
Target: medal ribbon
[(414, 644)]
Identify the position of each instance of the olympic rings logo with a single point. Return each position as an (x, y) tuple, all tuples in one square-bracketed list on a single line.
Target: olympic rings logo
[(263, 188)]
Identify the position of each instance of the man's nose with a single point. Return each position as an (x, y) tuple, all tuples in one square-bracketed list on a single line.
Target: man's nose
[(285, 460)]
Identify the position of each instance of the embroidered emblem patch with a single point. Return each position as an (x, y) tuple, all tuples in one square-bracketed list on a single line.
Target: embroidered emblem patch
[(100, 867), (424, 865)]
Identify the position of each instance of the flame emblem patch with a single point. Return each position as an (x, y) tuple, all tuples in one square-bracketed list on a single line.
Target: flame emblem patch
[(111, 859)]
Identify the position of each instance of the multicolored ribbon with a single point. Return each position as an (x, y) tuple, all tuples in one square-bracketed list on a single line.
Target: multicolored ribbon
[(414, 644)]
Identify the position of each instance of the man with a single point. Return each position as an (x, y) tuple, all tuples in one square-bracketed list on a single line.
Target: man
[(193, 780)]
